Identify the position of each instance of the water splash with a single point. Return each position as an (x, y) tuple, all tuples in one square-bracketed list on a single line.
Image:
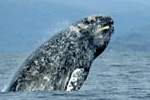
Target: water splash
[(4, 89)]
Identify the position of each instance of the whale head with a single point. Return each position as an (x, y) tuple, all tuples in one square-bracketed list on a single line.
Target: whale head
[(98, 29)]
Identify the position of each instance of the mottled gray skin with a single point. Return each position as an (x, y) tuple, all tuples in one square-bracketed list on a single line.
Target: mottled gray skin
[(51, 65)]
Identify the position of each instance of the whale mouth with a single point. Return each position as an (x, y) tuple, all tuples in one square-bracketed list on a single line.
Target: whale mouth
[(108, 26), (105, 28)]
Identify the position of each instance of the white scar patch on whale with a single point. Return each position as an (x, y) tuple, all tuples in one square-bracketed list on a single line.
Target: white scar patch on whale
[(77, 79)]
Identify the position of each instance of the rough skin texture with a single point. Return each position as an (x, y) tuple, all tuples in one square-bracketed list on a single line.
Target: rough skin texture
[(51, 66)]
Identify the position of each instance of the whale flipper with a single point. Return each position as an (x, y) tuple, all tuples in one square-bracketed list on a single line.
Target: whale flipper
[(78, 77)]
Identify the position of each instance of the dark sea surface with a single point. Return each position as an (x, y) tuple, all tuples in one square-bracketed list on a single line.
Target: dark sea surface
[(113, 76)]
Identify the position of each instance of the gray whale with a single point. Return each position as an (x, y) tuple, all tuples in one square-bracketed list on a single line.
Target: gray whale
[(63, 62)]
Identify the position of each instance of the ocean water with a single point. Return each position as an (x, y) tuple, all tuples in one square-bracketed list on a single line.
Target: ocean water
[(113, 76)]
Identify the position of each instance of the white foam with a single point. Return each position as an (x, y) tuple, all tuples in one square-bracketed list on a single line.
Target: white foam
[(4, 88)]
